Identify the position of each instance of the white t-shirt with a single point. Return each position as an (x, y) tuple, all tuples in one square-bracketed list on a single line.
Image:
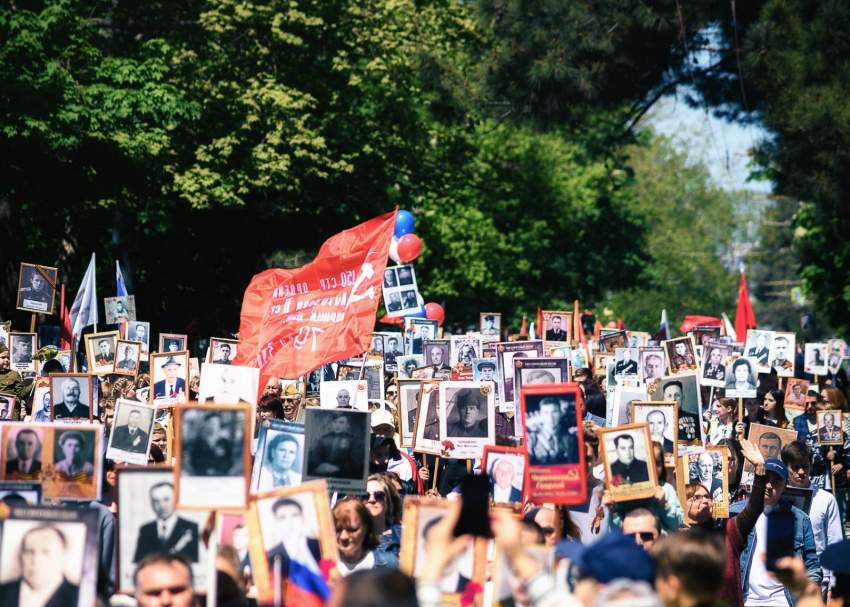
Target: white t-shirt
[(762, 590)]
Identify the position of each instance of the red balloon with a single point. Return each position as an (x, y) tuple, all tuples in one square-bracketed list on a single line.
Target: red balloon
[(435, 311), (409, 247)]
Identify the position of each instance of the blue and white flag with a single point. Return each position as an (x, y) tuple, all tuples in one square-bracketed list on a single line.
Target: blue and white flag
[(84, 309), (121, 288)]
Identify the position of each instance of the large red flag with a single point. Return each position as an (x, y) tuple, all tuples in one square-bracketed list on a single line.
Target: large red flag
[(694, 320), (744, 317), (294, 321)]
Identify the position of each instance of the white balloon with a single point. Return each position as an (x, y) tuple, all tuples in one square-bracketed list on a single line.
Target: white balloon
[(394, 251)]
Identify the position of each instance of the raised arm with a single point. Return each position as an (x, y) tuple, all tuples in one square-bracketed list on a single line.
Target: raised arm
[(746, 521)]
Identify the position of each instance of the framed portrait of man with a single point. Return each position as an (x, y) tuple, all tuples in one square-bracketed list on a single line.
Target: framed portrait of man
[(709, 468), (782, 353), (741, 377), (372, 372), (213, 443), (22, 348), (140, 332), (172, 342), (406, 365), (120, 309), (49, 556), (416, 330), (345, 394), (621, 410), (337, 447), (222, 351), (490, 325), (169, 378), (637, 339), (628, 460), (279, 461), (684, 391), (392, 350), (626, 364), (795, 393), (132, 430), (555, 443), (408, 407), (829, 427), (507, 354), (20, 493), (557, 326), (464, 349), (652, 364), (420, 516), (757, 347), (36, 288), (713, 371), (291, 529), (662, 418), (467, 418), (150, 523), (770, 441), (129, 355), (100, 352), (704, 335), (437, 353), (229, 385), (610, 340), (539, 371), (70, 398), (506, 468), (426, 432), (7, 405), (681, 355), (815, 359)]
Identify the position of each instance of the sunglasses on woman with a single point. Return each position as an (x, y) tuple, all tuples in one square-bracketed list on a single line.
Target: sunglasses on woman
[(378, 496)]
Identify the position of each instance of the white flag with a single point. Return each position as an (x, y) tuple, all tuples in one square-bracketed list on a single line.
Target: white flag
[(84, 309)]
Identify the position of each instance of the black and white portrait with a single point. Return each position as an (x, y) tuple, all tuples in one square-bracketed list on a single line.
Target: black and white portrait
[(222, 351), (70, 395), (337, 444), (100, 350), (758, 347), (408, 300), (405, 276), (437, 353), (741, 378), (390, 278), (624, 396), (34, 291), (280, 456), (556, 325), (651, 364), (344, 394), (829, 428), (140, 331), (73, 453), (170, 342), (7, 405), (539, 371), (552, 429), (129, 354), (406, 365), (150, 523), (120, 309), (22, 347), (816, 359), (41, 563), (229, 385), (626, 363), (714, 357), (24, 453), (408, 400), (681, 355), (467, 417), (212, 451), (392, 350), (427, 432), (42, 408), (464, 350), (490, 324), (706, 468), (508, 354), (416, 330), (20, 493), (662, 423), (629, 465), (401, 295), (132, 428), (684, 391)]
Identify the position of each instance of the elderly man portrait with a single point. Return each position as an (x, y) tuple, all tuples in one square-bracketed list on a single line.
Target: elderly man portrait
[(437, 356), (689, 428), (627, 366), (172, 386), (704, 474), (628, 468), (27, 447), (658, 428), (42, 558), (653, 367), (502, 489), (469, 404), (829, 432), (71, 406), (130, 436), (760, 350)]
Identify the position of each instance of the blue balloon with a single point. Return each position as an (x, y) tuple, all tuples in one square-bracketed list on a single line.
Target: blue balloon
[(404, 223)]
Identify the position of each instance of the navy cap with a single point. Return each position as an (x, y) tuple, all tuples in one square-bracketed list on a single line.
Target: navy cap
[(613, 557), (378, 441), (837, 557), (777, 467), (486, 363)]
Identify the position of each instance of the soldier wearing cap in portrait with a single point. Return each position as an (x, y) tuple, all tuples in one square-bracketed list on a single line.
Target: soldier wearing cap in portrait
[(468, 404)]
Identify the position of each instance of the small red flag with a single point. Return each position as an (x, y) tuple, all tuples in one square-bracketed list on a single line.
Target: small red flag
[(294, 321), (66, 332), (744, 317)]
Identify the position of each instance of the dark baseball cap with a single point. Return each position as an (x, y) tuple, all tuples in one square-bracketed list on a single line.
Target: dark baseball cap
[(615, 556), (777, 467)]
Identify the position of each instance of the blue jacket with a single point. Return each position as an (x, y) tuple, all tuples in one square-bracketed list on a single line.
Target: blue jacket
[(801, 426), (804, 546)]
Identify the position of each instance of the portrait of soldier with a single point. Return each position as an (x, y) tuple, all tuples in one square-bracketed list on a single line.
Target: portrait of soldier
[(486, 370), (171, 386), (405, 277), (224, 355), (335, 453), (392, 352), (627, 469), (393, 302), (829, 431), (555, 332), (489, 329), (760, 350), (128, 363), (105, 355), (781, 362), (626, 366), (37, 294), (714, 367), (683, 357), (471, 405), (688, 422), (550, 439)]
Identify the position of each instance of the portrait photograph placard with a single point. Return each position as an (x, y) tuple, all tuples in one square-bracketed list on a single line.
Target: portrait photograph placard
[(7, 405), (170, 378), (140, 332), (537, 371), (795, 393), (741, 377), (637, 339), (464, 349), (147, 500), (427, 372), (70, 398), (173, 342), (406, 364), (829, 427), (345, 394), (621, 410), (372, 373), (42, 409), (769, 440), (662, 418), (35, 293), (426, 433), (51, 550), (782, 353), (222, 351), (609, 341), (507, 354), (709, 468), (129, 355), (467, 418), (714, 364), (279, 461), (120, 309), (601, 362), (393, 350), (681, 355), (67, 460), (22, 493), (337, 443), (100, 352), (757, 347), (704, 335), (290, 529), (801, 497), (683, 390), (213, 443), (628, 460), (22, 348), (815, 359), (416, 330), (437, 353), (132, 429), (408, 401), (401, 294), (506, 468), (420, 516), (229, 385), (557, 326), (490, 325), (652, 364), (626, 364), (555, 443)]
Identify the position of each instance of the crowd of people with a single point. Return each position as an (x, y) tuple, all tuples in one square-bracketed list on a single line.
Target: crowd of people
[(670, 549)]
